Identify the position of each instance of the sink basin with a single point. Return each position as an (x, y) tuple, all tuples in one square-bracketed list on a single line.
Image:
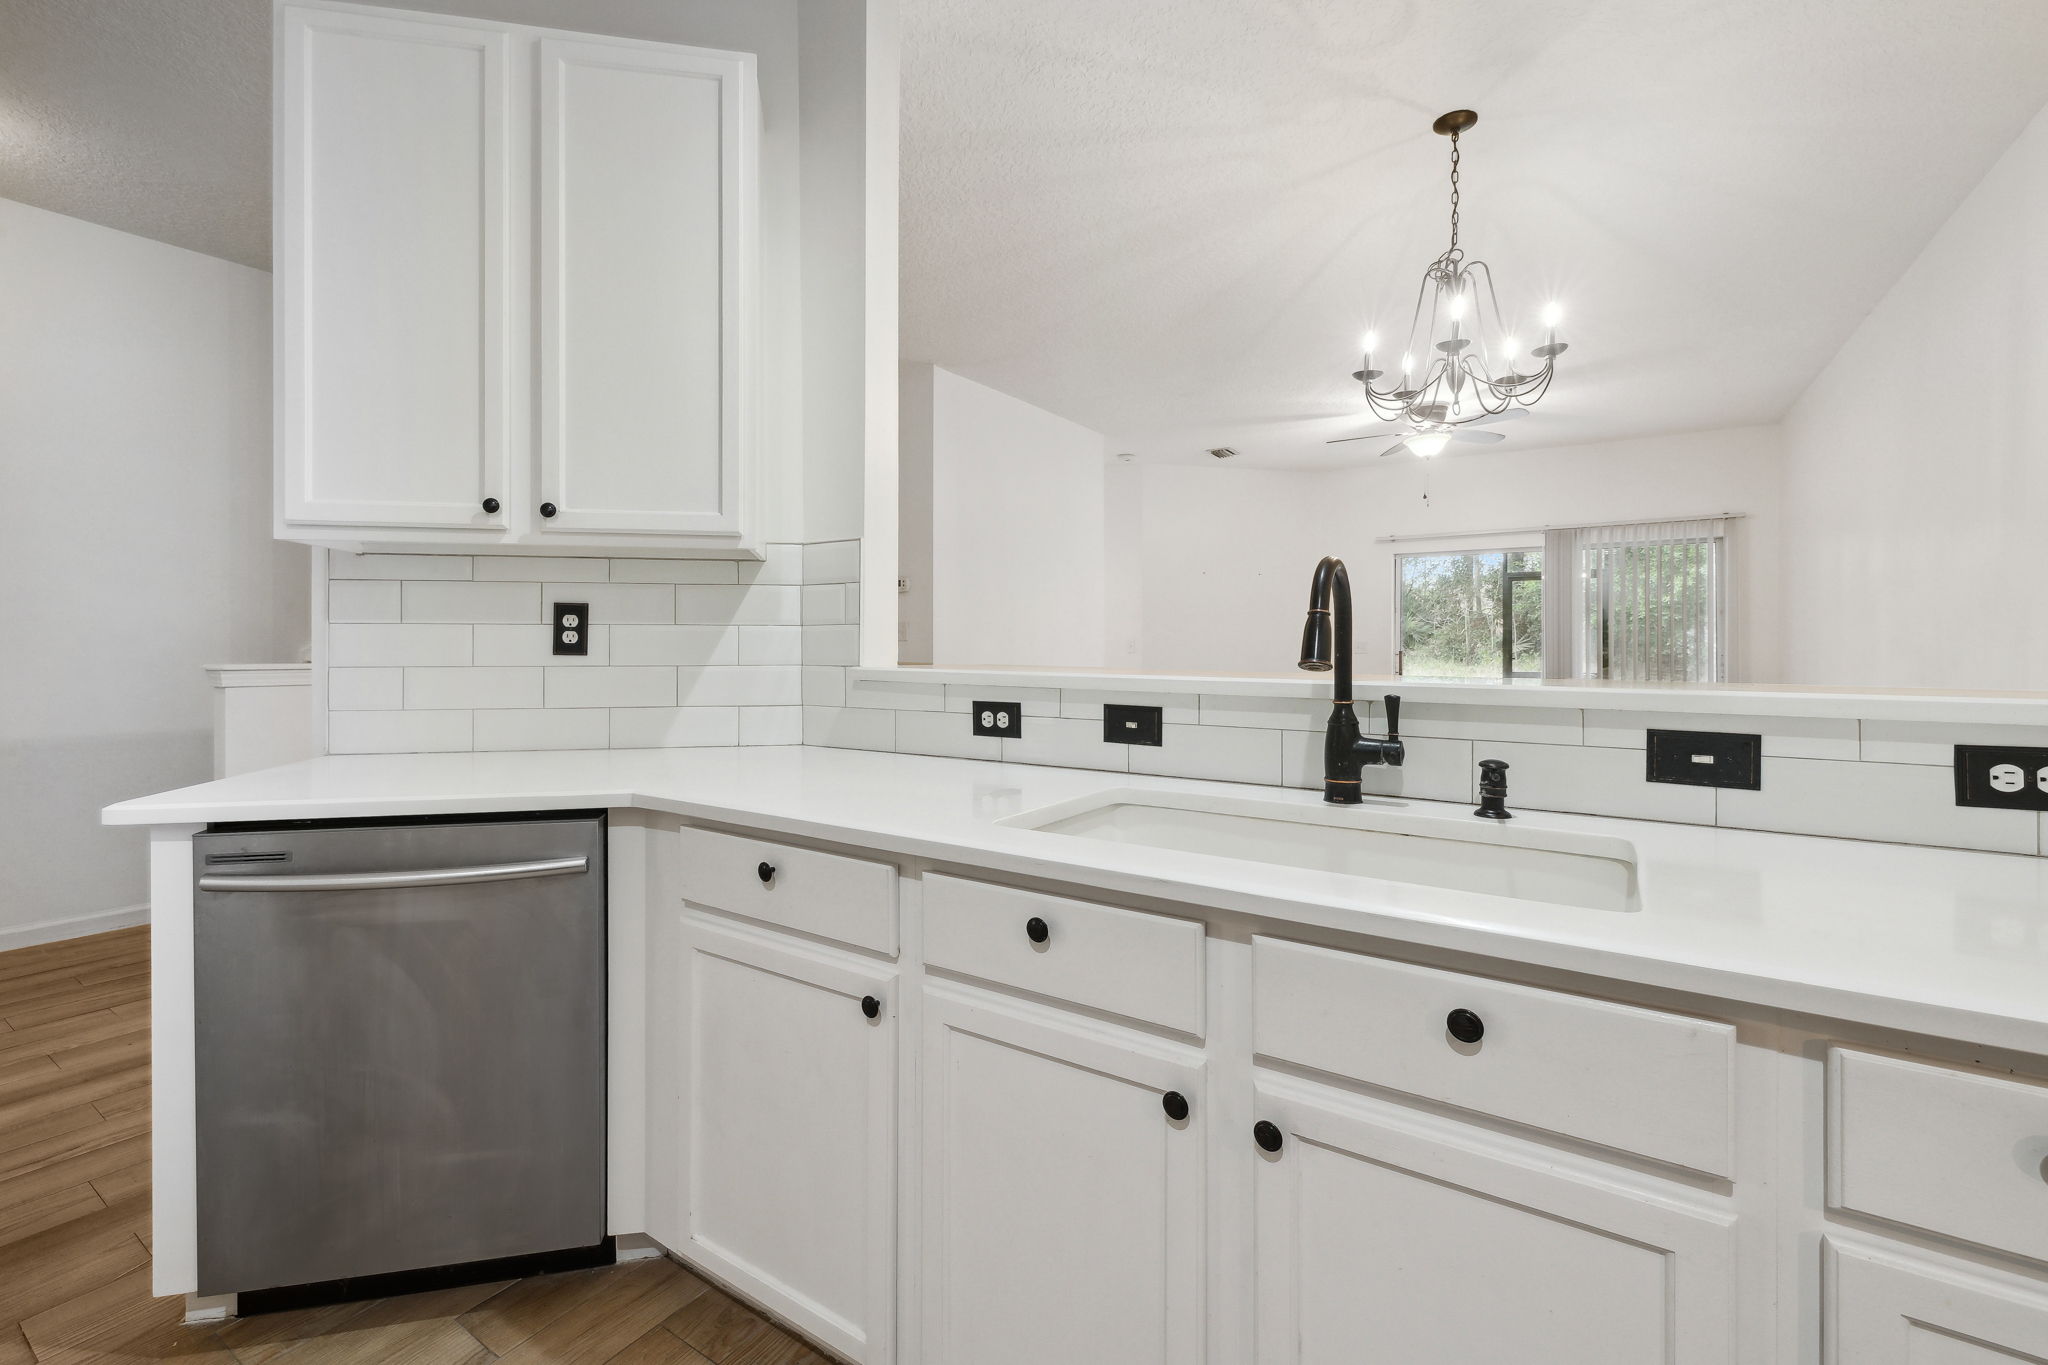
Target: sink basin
[(1384, 841)]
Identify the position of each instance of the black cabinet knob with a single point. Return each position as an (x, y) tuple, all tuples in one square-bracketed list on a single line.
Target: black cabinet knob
[(766, 872), (491, 505), (547, 509), (1175, 1104), (870, 1006), (1465, 1026), (1267, 1135), (1037, 930)]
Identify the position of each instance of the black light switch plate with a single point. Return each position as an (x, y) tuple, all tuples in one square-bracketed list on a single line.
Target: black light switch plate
[(1133, 725), (1000, 719), (1705, 758), (2001, 776), (572, 628)]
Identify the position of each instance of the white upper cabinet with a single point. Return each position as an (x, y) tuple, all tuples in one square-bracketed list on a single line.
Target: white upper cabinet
[(515, 286)]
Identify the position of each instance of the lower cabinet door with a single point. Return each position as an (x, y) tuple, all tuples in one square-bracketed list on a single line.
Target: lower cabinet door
[(1893, 1309), (1063, 1203), (1383, 1235), (788, 1118)]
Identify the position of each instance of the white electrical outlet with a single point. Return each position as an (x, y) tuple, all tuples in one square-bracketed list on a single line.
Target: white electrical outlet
[(2008, 777), (2041, 779)]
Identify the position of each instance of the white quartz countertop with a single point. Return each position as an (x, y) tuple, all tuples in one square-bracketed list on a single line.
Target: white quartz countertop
[(1936, 941)]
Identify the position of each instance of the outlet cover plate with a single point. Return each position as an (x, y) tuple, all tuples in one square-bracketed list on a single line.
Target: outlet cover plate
[(999, 719), (1704, 758), (2001, 777), (572, 628), (1133, 725)]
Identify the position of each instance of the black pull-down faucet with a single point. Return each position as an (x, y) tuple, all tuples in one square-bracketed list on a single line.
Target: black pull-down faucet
[(1326, 640)]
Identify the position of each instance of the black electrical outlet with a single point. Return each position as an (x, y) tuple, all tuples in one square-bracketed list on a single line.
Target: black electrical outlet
[(1705, 758), (2001, 776), (1133, 725), (1002, 719), (572, 628)]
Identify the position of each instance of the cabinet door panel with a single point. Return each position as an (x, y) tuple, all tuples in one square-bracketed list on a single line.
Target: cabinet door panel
[(644, 194), (1441, 1253), (789, 1103), (393, 269), (1886, 1308), (1063, 1209)]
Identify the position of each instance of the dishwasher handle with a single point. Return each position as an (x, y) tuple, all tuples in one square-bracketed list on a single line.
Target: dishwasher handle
[(399, 881)]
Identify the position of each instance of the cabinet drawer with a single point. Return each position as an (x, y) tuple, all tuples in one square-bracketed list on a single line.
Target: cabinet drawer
[(851, 900), (1658, 1085), (1127, 962), (1947, 1150)]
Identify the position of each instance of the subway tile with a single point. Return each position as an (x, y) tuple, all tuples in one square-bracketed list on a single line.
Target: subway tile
[(1488, 724), (832, 561), (948, 734), (1063, 744), (1176, 708), (1432, 769), (539, 569), (616, 604), (379, 646), (675, 645), (543, 729), (675, 727), (533, 646), (1266, 713), (341, 564), (1037, 701), (365, 689), (474, 603), (771, 725), (1906, 803), (1219, 753), (448, 689), (771, 644), (1592, 779), (832, 645), (1783, 736), (824, 686), (824, 604), (897, 694), (362, 599), (614, 686), (843, 727), (674, 571), (782, 564), (764, 604), (398, 732), (740, 686), (1934, 743)]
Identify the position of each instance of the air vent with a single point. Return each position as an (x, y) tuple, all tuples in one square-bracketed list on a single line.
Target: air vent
[(1223, 452), (232, 859)]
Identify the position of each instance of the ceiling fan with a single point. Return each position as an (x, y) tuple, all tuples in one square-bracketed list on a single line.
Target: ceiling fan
[(1426, 439)]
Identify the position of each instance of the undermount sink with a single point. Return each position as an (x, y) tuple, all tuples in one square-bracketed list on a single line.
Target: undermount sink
[(1386, 842)]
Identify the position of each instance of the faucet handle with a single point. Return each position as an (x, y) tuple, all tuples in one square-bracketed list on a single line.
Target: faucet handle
[(1393, 704)]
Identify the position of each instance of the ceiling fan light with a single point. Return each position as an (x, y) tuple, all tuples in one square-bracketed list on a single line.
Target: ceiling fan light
[(1429, 445)]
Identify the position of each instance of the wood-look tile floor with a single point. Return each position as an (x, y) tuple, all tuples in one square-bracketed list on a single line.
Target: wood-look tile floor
[(74, 1224)]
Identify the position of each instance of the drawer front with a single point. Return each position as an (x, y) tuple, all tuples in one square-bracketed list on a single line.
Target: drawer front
[(851, 900), (1658, 1085), (1126, 962), (1955, 1152)]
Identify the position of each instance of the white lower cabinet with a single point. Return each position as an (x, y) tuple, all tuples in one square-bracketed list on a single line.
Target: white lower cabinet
[(1889, 1308), (1402, 1238), (787, 1186), (1063, 1208)]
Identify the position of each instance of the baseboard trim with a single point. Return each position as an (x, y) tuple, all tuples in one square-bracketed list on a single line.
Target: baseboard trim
[(56, 930)]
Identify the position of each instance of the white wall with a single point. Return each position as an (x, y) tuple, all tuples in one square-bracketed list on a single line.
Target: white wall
[(914, 517), (1916, 481), (135, 443)]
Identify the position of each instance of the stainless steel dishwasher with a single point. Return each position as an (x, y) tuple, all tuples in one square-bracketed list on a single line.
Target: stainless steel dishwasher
[(401, 1054)]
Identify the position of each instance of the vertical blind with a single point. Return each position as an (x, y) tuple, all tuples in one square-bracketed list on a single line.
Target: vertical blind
[(1647, 601)]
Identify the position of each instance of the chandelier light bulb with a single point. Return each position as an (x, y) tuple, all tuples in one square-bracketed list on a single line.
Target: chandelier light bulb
[(1457, 307), (1407, 363), (1371, 343), (1553, 313), (1509, 349), (1428, 447)]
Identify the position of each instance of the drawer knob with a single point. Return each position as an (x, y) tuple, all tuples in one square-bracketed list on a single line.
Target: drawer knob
[(547, 509), (491, 506), (1465, 1026), (1037, 930), (1175, 1104), (1267, 1135), (766, 872), (870, 1006)]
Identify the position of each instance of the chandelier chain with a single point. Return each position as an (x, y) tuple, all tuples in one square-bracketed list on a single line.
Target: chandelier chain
[(1454, 194)]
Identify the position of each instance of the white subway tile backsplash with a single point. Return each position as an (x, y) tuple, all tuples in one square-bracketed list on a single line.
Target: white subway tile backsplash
[(1220, 753), (771, 644), (838, 645), (675, 645), (824, 686), (1431, 769), (1900, 741), (1266, 713), (472, 603), (1595, 780), (1519, 724), (824, 604), (844, 727), (533, 646), (398, 732), (1037, 701), (1906, 803), (1783, 736), (675, 727), (615, 604), (1175, 708), (771, 725), (901, 696), (472, 689), (365, 689), (740, 686), (613, 686), (540, 569), (674, 571), (947, 734), (760, 604), (832, 561), (363, 599), (381, 646), (543, 729), (1065, 743), (341, 564), (782, 564)]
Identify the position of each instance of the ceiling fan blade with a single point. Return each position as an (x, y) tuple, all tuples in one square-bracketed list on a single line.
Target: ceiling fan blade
[(1399, 448), (1504, 415), (1364, 436), (1478, 437)]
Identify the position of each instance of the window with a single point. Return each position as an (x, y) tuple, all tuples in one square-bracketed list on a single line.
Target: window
[(1651, 604), (1477, 614)]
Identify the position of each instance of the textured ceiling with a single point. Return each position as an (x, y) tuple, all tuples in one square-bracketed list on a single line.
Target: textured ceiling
[(151, 116), (1171, 219)]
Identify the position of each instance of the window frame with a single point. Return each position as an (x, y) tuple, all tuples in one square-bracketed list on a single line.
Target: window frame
[(1508, 577)]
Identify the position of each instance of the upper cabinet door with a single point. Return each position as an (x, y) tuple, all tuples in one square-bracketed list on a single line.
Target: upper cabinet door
[(647, 187), (393, 269)]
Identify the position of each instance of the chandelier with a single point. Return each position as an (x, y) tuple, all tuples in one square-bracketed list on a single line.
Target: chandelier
[(1472, 369)]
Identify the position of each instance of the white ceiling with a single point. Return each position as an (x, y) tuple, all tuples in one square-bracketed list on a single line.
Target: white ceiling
[(1170, 220)]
